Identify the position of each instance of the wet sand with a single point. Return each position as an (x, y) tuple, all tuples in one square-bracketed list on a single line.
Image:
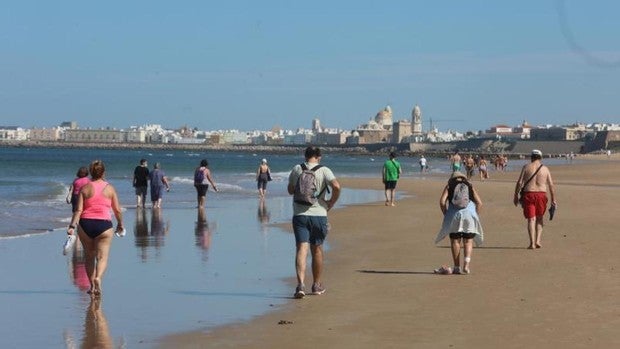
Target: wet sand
[(381, 292)]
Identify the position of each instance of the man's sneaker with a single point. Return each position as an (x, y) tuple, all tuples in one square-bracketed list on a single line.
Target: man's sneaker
[(318, 289), (299, 292)]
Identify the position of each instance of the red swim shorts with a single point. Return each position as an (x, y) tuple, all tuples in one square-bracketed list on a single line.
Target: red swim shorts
[(534, 204)]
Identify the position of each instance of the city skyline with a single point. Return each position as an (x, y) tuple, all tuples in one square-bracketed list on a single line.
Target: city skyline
[(253, 65)]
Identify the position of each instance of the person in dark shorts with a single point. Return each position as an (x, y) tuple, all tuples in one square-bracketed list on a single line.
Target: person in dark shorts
[(391, 174), (140, 182), (93, 222), (460, 222), (202, 178), (310, 219), (263, 175)]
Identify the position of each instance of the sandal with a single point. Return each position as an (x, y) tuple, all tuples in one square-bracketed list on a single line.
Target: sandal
[(443, 270)]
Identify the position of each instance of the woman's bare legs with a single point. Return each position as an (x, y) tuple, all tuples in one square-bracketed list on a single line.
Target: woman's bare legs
[(97, 251), (455, 244)]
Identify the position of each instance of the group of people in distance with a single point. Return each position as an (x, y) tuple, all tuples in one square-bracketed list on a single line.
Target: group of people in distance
[(460, 203), (158, 181)]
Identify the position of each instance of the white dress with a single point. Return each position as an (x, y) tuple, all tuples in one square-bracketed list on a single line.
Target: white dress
[(461, 220)]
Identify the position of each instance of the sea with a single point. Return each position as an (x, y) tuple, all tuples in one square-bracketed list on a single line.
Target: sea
[(178, 268)]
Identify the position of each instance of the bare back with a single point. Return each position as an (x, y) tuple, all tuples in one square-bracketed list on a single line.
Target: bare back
[(541, 182)]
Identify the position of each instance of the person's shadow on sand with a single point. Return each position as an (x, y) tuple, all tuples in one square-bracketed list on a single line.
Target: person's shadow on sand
[(395, 272)]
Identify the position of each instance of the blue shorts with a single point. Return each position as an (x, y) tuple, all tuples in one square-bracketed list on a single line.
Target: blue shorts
[(312, 229), (94, 227)]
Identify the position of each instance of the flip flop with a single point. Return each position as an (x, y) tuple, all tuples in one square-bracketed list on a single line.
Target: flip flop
[(443, 270)]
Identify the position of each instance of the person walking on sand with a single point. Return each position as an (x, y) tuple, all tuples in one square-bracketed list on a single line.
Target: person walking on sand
[(483, 168), (460, 205), (391, 174), (308, 182), (159, 181), (531, 191), (263, 175), (81, 179), (93, 222), (140, 182), (202, 178)]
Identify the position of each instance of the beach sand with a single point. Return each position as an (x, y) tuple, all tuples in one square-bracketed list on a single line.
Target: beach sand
[(381, 292)]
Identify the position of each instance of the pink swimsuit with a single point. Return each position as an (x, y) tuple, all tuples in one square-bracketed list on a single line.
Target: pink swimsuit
[(97, 206)]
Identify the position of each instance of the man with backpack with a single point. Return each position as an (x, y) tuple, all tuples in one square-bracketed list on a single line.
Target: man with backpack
[(309, 183)]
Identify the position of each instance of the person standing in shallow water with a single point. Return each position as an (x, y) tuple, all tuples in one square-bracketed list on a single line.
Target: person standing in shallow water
[(535, 179), (159, 181), (263, 175), (140, 182), (202, 178), (80, 180), (93, 222), (391, 174)]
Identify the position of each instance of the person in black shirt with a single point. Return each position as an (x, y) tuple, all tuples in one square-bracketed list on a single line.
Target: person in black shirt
[(140, 182)]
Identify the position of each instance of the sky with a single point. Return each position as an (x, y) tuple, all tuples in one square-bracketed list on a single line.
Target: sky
[(253, 65)]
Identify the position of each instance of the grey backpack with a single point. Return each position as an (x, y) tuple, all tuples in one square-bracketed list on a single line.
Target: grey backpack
[(460, 195), (306, 189)]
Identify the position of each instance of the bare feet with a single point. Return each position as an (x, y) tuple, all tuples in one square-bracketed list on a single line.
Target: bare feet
[(387, 203), (530, 247), (393, 204), (538, 245), (96, 290)]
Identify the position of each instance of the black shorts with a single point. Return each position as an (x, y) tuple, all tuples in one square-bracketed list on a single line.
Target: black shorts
[(390, 185), (201, 189), (465, 236)]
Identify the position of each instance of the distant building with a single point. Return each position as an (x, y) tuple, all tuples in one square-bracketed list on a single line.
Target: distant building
[(574, 132), (401, 131), (69, 124), (330, 138), (45, 134), (95, 135), (416, 121), (13, 133)]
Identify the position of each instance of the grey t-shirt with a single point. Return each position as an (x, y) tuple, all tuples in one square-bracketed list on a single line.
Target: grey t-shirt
[(323, 176)]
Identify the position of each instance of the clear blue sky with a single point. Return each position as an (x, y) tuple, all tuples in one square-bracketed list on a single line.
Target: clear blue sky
[(256, 64)]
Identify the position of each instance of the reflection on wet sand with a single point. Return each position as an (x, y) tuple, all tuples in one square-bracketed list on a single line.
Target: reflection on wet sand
[(203, 232), (263, 215), (96, 329), (78, 273), (145, 239)]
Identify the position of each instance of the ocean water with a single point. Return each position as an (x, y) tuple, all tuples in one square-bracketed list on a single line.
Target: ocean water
[(34, 181), (177, 269)]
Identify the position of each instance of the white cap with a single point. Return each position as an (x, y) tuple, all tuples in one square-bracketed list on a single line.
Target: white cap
[(536, 152), (264, 161)]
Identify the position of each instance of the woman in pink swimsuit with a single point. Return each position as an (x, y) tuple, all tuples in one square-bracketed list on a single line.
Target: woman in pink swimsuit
[(95, 228)]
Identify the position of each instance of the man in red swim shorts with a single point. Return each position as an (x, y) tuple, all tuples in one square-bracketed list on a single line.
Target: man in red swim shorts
[(535, 179)]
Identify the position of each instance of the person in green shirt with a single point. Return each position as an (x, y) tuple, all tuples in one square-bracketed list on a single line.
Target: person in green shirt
[(391, 174)]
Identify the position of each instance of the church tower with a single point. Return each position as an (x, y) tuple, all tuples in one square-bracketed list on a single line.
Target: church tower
[(416, 120)]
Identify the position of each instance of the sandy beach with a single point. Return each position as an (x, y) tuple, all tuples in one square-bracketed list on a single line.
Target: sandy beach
[(382, 292)]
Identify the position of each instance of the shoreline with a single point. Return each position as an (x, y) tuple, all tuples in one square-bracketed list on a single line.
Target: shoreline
[(382, 293), (404, 149)]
